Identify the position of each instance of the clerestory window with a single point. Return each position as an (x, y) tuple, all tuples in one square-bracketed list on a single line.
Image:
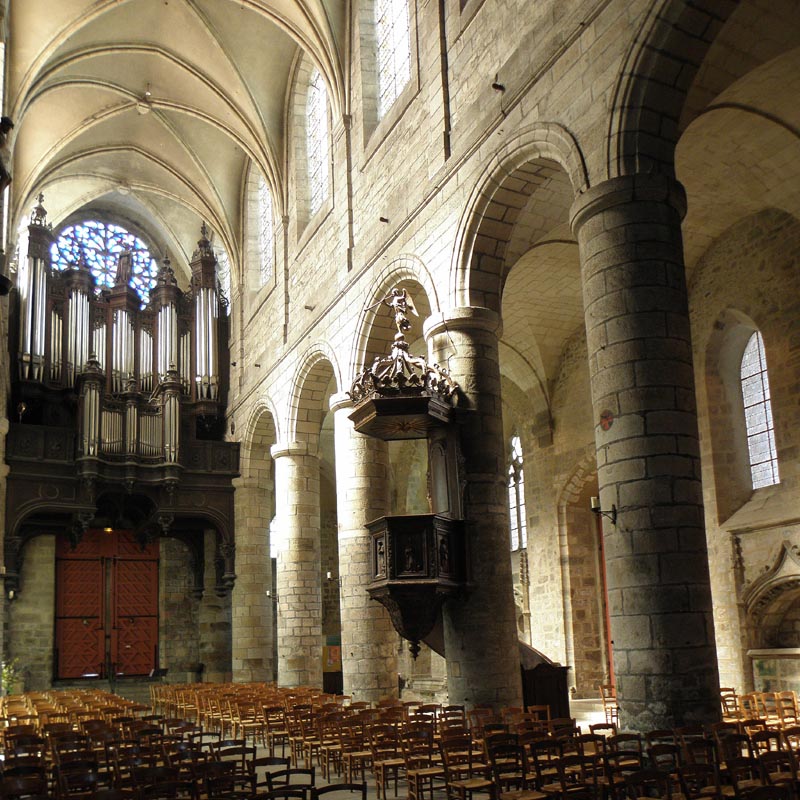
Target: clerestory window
[(516, 497), (98, 245), (758, 414), (317, 142), (393, 51), (266, 233)]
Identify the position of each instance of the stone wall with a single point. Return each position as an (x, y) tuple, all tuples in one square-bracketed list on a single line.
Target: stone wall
[(31, 616), (746, 529), (178, 607)]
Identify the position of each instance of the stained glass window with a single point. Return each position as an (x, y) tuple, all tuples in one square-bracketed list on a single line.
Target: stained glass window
[(758, 414), (393, 44), (516, 497), (223, 275), (317, 142), (266, 240), (98, 245)]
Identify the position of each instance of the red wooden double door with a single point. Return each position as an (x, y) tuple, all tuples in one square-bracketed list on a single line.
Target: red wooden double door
[(106, 605)]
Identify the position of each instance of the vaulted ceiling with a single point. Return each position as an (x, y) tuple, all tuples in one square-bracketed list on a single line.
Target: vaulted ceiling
[(150, 110)]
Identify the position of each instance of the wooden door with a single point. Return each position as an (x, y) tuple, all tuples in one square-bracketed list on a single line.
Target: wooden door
[(106, 606)]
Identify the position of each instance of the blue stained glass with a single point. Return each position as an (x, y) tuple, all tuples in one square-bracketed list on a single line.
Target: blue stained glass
[(99, 245)]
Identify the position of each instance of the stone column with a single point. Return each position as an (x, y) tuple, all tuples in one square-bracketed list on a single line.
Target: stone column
[(648, 457), (369, 642), (214, 619), (480, 631), (298, 578), (251, 652)]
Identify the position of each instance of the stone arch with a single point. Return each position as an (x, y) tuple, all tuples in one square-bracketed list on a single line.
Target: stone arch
[(375, 326), (501, 199), (262, 430), (307, 405), (583, 578), (656, 75), (772, 595)]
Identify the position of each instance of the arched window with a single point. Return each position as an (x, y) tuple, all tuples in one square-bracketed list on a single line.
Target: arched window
[(516, 497), (266, 233), (223, 276), (393, 50), (317, 138), (758, 414), (98, 245)]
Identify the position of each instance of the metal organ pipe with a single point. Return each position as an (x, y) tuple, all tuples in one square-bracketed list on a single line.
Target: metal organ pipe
[(171, 416), (146, 361), (167, 339), (206, 376), (90, 433), (77, 334), (122, 350), (33, 303), (56, 332)]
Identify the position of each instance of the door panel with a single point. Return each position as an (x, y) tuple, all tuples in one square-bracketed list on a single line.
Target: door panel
[(136, 584), (106, 604)]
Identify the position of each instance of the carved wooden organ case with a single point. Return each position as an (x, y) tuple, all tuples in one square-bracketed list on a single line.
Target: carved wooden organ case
[(117, 411)]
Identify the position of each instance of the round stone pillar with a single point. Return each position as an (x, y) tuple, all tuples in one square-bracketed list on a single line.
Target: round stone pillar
[(369, 641), (648, 456), (298, 580), (480, 630), (251, 634)]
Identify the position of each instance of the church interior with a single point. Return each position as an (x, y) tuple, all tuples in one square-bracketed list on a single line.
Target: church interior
[(339, 326)]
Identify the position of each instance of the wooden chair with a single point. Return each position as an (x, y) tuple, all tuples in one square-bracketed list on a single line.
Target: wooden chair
[(510, 775), (340, 791), (387, 758), (608, 696), (422, 771), (464, 776), (261, 768), (699, 781), (648, 783)]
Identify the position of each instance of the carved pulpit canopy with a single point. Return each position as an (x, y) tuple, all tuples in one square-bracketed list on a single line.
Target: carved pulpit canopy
[(420, 560)]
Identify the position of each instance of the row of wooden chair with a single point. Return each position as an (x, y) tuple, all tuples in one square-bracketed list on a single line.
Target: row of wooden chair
[(776, 709)]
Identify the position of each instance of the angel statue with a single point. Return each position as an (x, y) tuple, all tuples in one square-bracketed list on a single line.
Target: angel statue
[(401, 303)]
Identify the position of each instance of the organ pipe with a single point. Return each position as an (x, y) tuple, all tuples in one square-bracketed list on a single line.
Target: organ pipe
[(206, 375), (33, 295), (171, 416), (56, 332), (78, 333), (90, 422), (136, 369)]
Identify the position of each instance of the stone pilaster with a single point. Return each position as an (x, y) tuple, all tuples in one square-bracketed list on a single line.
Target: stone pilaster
[(481, 644), (642, 381), (298, 578), (251, 648), (369, 642)]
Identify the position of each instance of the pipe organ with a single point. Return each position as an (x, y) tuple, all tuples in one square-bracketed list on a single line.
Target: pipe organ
[(145, 378)]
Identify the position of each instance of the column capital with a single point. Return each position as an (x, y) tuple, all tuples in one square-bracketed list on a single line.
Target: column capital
[(340, 400), (464, 318), (624, 190), (281, 449)]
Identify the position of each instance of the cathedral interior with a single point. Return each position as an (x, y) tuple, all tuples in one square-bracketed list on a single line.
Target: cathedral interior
[(339, 326)]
